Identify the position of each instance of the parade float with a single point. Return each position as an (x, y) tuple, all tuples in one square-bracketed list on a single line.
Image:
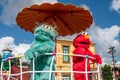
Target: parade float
[(46, 22)]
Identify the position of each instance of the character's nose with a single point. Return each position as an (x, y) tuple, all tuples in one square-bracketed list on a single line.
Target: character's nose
[(86, 36)]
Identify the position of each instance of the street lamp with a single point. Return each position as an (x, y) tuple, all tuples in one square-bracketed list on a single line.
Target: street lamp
[(112, 52)]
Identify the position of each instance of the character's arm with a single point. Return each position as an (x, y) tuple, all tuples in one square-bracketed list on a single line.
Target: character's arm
[(28, 54), (97, 57)]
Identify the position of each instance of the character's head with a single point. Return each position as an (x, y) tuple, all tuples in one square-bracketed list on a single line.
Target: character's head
[(45, 32), (82, 40)]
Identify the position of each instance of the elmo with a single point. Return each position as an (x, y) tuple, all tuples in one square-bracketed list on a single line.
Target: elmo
[(81, 44)]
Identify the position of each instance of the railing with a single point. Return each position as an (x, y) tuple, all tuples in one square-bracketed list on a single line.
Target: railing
[(7, 75)]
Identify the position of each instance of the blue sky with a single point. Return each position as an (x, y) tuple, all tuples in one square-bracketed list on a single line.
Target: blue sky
[(105, 30)]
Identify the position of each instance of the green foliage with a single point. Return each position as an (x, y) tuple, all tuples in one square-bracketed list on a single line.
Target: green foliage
[(24, 63), (107, 72), (15, 61)]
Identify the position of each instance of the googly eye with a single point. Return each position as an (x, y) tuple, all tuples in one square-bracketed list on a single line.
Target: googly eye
[(86, 33), (45, 26), (42, 26), (83, 33), (48, 27)]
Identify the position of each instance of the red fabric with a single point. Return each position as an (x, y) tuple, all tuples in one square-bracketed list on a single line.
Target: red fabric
[(81, 45), (16, 69)]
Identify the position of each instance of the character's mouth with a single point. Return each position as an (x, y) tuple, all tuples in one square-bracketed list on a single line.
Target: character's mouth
[(83, 42), (44, 35)]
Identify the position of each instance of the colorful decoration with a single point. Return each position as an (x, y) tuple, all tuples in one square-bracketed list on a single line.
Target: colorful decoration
[(71, 54), (81, 44), (6, 54), (5, 57), (54, 53), (19, 56), (44, 43), (64, 17)]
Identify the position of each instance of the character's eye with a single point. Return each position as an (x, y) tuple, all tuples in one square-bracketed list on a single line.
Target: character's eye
[(83, 33), (48, 27), (86, 33), (45, 26), (42, 26)]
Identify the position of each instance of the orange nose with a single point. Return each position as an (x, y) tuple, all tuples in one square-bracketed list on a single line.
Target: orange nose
[(87, 36)]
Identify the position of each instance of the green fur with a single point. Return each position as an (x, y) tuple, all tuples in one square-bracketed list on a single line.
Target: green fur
[(44, 43)]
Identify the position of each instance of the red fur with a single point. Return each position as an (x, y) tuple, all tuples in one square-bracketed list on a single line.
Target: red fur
[(79, 62)]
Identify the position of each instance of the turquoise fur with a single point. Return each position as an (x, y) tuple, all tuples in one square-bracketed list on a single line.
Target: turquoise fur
[(44, 43)]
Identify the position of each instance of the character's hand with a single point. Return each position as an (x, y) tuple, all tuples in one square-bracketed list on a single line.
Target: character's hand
[(29, 55), (98, 59)]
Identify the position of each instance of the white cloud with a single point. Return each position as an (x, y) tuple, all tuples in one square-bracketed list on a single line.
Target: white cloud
[(8, 42), (43, 1), (20, 49), (115, 5), (105, 38), (85, 6), (12, 7)]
